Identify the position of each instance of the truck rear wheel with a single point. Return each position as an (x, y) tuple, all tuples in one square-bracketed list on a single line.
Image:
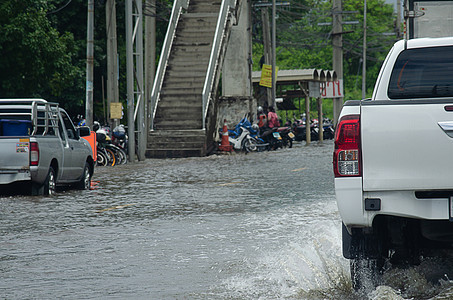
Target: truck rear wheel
[(50, 183), (85, 181), (365, 273)]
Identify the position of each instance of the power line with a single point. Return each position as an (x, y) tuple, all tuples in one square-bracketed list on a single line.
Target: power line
[(59, 9)]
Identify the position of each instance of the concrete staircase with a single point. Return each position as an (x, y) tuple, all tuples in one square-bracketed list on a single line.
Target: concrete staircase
[(178, 129)]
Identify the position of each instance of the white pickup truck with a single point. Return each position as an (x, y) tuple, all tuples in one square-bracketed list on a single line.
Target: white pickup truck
[(40, 147), (393, 162)]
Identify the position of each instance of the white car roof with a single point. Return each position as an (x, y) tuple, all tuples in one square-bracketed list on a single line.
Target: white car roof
[(428, 42)]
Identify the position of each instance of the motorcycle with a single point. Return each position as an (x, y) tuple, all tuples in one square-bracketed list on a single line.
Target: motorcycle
[(119, 137), (108, 153), (329, 131), (273, 138), (287, 136), (299, 128), (244, 141), (246, 136)]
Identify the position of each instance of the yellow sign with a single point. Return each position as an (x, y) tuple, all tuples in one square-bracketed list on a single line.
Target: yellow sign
[(116, 110), (266, 75)]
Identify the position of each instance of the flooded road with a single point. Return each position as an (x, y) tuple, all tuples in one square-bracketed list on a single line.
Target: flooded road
[(257, 226)]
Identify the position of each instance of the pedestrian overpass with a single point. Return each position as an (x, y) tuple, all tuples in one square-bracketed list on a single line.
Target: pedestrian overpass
[(183, 104)]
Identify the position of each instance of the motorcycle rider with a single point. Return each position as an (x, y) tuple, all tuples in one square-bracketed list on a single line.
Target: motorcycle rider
[(272, 118), (262, 119)]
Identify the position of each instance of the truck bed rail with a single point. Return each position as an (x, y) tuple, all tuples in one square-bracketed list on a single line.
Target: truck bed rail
[(40, 115)]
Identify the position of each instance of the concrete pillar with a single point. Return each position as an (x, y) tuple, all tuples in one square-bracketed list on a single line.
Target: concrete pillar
[(236, 72)]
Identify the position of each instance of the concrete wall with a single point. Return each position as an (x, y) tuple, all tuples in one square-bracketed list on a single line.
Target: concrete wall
[(233, 109)]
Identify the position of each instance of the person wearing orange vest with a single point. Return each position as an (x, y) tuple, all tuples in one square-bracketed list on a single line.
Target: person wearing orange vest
[(262, 119)]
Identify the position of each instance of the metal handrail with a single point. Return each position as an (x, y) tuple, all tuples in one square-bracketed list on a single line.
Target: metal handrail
[(178, 6), (225, 11)]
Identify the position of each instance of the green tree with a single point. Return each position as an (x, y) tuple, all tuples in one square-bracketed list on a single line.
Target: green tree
[(36, 59)]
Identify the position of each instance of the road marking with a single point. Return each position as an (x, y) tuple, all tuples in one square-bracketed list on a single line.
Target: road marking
[(115, 207), (229, 183), (300, 169)]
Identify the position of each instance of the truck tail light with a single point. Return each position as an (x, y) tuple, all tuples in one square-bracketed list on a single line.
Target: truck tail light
[(347, 157), (34, 154)]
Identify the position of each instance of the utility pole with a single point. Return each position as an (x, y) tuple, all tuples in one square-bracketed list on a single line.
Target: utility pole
[(364, 53), (112, 59), (398, 19), (134, 66), (90, 63), (267, 48), (274, 79), (150, 56), (337, 45), (130, 82)]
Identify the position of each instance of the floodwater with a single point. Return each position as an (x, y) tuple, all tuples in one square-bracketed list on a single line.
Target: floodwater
[(257, 226)]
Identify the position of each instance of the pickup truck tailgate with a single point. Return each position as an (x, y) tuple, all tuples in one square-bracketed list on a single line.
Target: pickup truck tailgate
[(14, 159), (406, 145)]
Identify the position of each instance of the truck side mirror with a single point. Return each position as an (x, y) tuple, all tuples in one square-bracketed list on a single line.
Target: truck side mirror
[(83, 131)]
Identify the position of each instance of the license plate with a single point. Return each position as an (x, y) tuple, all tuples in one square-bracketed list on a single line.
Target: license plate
[(277, 135), (291, 135)]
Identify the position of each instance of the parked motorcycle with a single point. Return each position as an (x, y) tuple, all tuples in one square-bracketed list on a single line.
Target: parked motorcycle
[(119, 137), (299, 128), (287, 136), (245, 136), (108, 153), (273, 138), (244, 141)]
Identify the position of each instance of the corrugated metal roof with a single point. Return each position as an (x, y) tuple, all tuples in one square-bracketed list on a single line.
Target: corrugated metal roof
[(287, 76)]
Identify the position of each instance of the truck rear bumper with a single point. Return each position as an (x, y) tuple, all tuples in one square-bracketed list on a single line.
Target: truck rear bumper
[(349, 196), (406, 204), (351, 204), (8, 176)]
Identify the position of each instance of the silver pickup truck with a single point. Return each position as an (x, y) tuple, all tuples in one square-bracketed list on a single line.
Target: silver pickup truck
[(40, 148)]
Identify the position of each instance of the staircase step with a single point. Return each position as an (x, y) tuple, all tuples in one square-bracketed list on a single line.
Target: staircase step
[(158, 145), (190, 31), (189, 21), (200, 15), (178, 94), (178, 133), (175, 153), (197, 60), (181, 83), (191, 43), (176, 104), (176, 143), (203, 6), (190, 24), (183, 74), (190, 141), (191, 48), (171, 124), (184, 112), (192, 39), (181, 90), (196, 82), (182, 67)]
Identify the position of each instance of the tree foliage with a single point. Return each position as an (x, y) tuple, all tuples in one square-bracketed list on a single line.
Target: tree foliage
[(43, 46), (36, 59), (304, 38)]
